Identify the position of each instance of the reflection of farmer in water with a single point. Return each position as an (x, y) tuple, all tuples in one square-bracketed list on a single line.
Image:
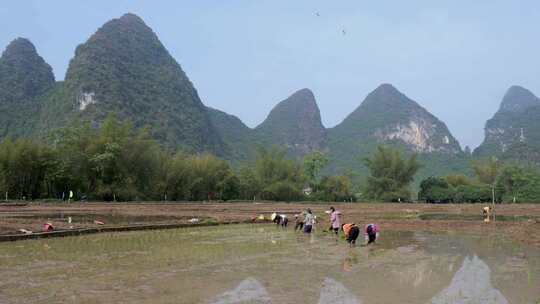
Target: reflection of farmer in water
[(372, 231), (351, 232)]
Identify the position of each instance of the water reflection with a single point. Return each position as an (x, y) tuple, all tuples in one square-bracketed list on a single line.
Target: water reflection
[(333, 292), (249, 290), (471, 284), (260, 264), (350, 260)]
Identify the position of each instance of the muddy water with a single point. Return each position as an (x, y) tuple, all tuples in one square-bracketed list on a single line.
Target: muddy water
[(262, 264)]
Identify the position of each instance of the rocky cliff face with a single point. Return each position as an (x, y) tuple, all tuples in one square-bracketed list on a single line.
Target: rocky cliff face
[(417, 135), (514, 127), (387, 115), (295, 123)]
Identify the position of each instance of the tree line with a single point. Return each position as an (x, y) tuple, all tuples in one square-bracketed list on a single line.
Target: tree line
[(493, 181), (116, 162)]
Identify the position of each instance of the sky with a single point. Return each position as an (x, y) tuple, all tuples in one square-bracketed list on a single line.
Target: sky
[(454, 57)]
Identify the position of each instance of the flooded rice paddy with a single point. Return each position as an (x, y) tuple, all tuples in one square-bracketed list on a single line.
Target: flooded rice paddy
[(263, 264)]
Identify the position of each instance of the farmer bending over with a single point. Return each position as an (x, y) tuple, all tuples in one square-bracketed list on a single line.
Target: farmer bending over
[(351, 232), (372, 231), (280, 219)]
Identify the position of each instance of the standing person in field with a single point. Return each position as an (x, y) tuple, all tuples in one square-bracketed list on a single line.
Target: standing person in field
[(372, 231), (335, 220), (351, 232), (309, 221)]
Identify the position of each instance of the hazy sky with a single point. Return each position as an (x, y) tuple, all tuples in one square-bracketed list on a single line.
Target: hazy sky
[(456, 57)]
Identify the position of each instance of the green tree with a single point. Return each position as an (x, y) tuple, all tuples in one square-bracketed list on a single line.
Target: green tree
[(335, 188), (178, 178), (313, 164), (512, 179), (436, 190), (279, 178), (456, 180), (23, 167), (390, 175), (487, 172), (473, 193), (211, 178), (519, 184), (249, 186)]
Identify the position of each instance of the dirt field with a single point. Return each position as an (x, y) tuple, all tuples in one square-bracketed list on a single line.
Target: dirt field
[(520, 222)]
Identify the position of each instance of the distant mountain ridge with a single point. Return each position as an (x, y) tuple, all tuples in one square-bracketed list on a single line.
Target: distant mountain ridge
[(124, 69), (388, 115), (295, 123), (514, 131), (24, 77)]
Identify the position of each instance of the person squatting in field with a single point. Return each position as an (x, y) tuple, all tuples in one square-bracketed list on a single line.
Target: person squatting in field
[(351, 232), (280, 219)]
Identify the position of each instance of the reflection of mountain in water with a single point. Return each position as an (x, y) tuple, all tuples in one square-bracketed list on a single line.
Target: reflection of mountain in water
[(334, 292), (249, 290), (471, 285)]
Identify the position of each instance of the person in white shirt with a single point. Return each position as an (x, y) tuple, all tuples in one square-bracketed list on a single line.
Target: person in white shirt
[(309, 221)]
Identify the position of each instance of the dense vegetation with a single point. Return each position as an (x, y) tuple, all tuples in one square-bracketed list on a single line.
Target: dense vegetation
[(119, 162), (494, 181), (24, 78), (390, 175), (23, 73), (294, 123), (123, 68), (238, 139)]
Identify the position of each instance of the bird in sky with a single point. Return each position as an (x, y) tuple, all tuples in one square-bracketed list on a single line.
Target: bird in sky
[(343, 32), (317, 14)]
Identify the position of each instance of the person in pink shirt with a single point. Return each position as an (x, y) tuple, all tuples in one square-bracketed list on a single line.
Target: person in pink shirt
[(335, 220)]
